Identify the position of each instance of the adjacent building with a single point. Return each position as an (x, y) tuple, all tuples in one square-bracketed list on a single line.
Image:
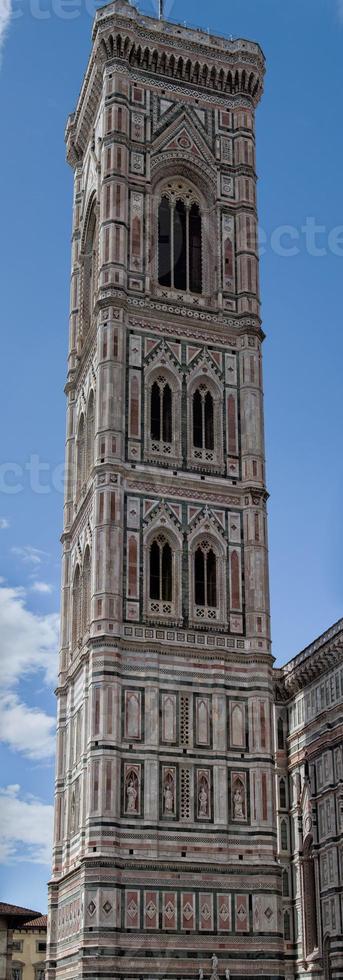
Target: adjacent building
[(22, 943), (309, 792), (29, 950)]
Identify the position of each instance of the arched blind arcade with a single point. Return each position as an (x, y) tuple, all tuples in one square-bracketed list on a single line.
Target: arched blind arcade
[(89, 268), (180, 245)]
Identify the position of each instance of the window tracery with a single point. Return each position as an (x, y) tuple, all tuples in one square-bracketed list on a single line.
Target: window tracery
[(180, 239), (89, 268), (205, 419), (162, 573), (163, 414), (207, 580)]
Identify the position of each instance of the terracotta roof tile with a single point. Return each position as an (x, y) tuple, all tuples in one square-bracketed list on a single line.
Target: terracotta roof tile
[(7, 909), (40, 923)]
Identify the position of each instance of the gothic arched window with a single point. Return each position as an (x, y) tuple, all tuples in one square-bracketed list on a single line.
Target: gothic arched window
[(287, 927), (161, 411), (285, 884), (280, 735), (282, 791), (205, 577), (203, 419), (161, 573), (90, 434), (284, 835), (180, 245), (86, 591), (76, 607), (89, 268), (80, 455)]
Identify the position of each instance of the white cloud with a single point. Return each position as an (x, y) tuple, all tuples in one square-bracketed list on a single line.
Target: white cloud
[(27, 730), (26, 828), (28, 642), (4, 523), (28, 554), (43, 587), (5, 17)]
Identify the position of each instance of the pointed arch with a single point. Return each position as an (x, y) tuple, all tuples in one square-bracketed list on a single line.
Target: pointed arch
[(89, 265), (282, 794), (237, 726), (284, 835), (86, 590), (76, 607), (90, 432), (287, 926), (285, 883), (80, 454)]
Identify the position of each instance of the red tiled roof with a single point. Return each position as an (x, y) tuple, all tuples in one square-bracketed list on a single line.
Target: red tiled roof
[(40, 923), (7, 909)]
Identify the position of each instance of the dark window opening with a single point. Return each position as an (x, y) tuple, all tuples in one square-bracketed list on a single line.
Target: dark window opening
[(203, 420), (280, 735), (285, 884), (167, 414), (205, 578), (199, 577), (287, 927), (211, 579), (209, 429), (282, 794), (161, 412), (197, 420), (195, 249), (164, 243), (155, 411), (180, 246), (161, 575)]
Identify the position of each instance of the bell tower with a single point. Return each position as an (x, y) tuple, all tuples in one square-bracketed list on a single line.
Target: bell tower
[(165, 830)]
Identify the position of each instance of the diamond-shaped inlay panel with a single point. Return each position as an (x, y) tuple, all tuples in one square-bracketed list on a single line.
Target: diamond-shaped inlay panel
[(206, 912), (188, 911), (169, 910), (151, 910), (107, 907), (224, 912), (132, 909), (268, 913), (91, 908)]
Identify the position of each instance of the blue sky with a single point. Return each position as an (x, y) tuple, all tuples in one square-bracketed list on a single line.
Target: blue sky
[(299, 158)]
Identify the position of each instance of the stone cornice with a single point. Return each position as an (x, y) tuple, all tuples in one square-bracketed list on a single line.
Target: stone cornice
[(147, 47), (317, 659)]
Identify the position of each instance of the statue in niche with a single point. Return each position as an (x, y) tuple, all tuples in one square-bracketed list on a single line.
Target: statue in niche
[(131, 794), (227, 974), (169, 796), (215, 961), (201, 974), (238, 803), (203, 799)]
